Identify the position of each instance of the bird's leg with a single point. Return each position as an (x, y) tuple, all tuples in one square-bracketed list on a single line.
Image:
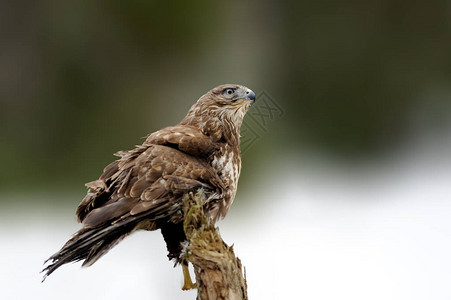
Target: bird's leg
[(187, 282)]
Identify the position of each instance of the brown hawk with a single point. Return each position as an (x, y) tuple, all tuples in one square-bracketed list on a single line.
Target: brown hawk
[(144, 188)]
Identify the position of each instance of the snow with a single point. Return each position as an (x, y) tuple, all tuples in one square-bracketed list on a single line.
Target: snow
[(318, 233)]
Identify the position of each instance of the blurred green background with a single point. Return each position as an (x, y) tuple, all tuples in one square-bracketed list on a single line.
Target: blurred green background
[(81, 80)]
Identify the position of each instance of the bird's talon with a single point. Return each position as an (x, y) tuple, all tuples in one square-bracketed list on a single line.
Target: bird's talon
[(187, 282), (188, 286)]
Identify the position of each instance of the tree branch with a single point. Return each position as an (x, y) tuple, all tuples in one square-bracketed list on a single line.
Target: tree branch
[(218, 271)]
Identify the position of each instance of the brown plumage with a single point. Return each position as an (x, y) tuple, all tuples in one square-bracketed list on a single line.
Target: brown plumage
[(143, 189)]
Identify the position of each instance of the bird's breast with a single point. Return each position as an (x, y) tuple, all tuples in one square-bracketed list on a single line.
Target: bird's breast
[(228, 165)]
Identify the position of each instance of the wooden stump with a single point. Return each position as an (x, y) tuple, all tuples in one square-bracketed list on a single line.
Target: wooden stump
[(218, 271)]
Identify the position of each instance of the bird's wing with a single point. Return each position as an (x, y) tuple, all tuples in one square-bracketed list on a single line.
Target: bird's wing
[(149, 180), (185, 138)]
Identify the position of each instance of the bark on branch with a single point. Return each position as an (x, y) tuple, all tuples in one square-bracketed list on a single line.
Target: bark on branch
[(218, 271)]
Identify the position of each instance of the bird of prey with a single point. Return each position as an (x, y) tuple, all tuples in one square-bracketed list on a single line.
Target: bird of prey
[(144, 188)]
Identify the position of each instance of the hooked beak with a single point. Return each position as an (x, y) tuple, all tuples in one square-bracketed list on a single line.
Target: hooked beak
[(250, 95)]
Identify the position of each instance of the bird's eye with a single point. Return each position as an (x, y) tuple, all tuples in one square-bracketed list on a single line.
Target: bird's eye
[(229, 91)]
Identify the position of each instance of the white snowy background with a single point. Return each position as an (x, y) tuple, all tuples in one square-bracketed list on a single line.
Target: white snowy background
[(306, 230)]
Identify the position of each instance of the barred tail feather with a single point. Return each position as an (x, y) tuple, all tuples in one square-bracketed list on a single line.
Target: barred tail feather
[(88, 244)]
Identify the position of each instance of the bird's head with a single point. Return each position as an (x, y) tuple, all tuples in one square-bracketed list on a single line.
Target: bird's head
[(227, 102), (230, 96), (220, 112)]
